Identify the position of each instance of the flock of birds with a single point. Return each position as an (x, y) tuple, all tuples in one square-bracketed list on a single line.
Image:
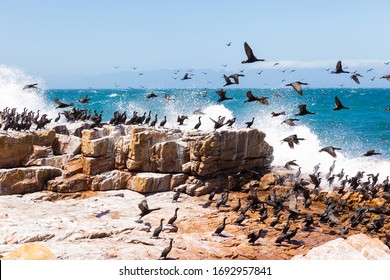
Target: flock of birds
[(288, 207)]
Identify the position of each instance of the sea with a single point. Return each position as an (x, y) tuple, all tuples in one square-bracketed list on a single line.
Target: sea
[(366, 126)]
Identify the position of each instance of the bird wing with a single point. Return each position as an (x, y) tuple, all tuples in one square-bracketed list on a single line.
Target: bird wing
[(330, 151), (339, 67), (227, 79), (248, 51), (221, 92), (234, 77), (355, 78), (297, 87), (302, 108), (338, 102), (250, 95), (58, 102)]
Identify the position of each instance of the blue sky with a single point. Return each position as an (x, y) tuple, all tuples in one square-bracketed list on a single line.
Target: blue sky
[(55, 39)]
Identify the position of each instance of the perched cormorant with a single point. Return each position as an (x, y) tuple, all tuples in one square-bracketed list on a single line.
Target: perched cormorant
[(249, 124), (158, 230), (198, 123), (253, 236), (174, 217), (58, 117), (166, 250), (176, 196), (250, 56), (220, 228), (153, 123), (163, 122)]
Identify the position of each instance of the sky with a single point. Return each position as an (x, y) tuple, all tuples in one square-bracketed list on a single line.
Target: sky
[(68, 41)]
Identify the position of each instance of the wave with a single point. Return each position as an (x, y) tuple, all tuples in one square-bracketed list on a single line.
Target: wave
[(12, 81)]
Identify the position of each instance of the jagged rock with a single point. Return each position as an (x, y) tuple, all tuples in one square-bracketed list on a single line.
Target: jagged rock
[(17, 148), (122, 147), (169, 156), (58, 128), (76, 183), (39, 152), (355, 247), (178, 179), (226, 152), (77, 128), (101, 147), (55, 161), (31, 251), (150, 182), (26, 179), (141, 143), (113, 180), (66, 144)]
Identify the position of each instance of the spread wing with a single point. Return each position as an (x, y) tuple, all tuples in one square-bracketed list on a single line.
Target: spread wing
[(339, 68), (297, 87), (248, 51), (250, 95), (355, 78), (59, 102)]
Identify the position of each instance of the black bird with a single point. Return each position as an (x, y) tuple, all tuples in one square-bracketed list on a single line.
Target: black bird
[(249, 53), (153, 123), (158, 230), (220, 228), (228, 82), (240, 219), (174, 217), (30, 86), (180, 119), (282, 237), (308, 222), (230, 122), (235, 77), (386, 77), (61, 104), (166, 250), (303, 111), (290, 163), (222, 95), (143, 206), (355, 78), (176, 196), (371, 153), (253, 236), (57, 118), (278, 114), (198, 123), (292, 139), (275, 221), (84, 100), (290, 122), (297, 86), (330, 150), (228, 44), (339, 68), (263, 217), (338, 104), (219, 123), (151, 95), (343, 231), (186, 77), (252, 98), (212, 194), (163, 122), (238, 206), (249, 124), (290, 234)]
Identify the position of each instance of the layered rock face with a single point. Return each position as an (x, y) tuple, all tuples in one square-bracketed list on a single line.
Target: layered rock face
[(73, 158)]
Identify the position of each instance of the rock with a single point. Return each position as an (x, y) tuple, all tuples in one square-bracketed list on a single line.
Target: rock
[(31, 251), (101, 147), (227, 152), (26, 179), (76, 183), (74, 166), (76, 128), (59, 128), (150, 182), (122, 147), (178, 179), (39, 152), (169, 156), (97, 165), (113, 180), (43, 137), (355, 247), (55, 161), (66, 144), (15, 150)]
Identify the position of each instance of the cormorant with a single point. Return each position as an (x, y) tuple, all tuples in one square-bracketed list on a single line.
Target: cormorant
[(166, 250), (198, 124), (330, 150), (249, 124), (338, 104), (158, 230), (250, 56), (220, 228), (339, 68), (61, 104), (297, 86), (174, 217), (222, 95)]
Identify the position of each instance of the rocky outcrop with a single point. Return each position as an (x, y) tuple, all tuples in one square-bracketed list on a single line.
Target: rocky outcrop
[(149, 160), (31, 251), (26, 179), (355, 247)]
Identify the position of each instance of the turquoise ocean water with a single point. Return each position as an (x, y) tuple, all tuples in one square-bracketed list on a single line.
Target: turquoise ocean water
[(364, 127)]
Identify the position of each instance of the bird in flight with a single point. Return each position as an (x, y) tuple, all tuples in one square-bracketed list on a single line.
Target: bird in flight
[(297, 86), (30, 86), (355, 78), (252, 98), (387, 77), (186, 77), (222, 95), (84, 100), (330, 150), (339, 68), (303, 111), (338, 104), (228, 44), (249, 53), (61, 104), (371, 153)]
